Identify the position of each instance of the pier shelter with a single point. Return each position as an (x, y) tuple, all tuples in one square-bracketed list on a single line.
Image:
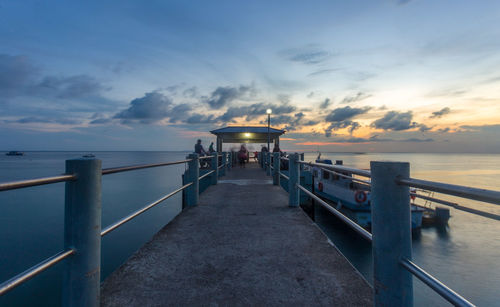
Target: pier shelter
[(247, 134)]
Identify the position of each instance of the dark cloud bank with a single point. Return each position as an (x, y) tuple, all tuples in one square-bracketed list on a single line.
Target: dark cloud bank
[(20, 77)]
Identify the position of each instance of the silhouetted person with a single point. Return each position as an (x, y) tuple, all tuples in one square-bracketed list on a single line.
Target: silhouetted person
[(198, 148), (242, 155)]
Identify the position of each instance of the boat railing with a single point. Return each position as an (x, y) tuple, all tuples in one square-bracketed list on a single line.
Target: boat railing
[(82, 224), (391, 222)]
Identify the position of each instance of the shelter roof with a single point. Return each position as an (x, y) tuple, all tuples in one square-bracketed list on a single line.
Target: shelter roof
[(247, 129)]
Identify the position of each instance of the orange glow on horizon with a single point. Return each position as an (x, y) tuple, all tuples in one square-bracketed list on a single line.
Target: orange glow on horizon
[(328, 143)]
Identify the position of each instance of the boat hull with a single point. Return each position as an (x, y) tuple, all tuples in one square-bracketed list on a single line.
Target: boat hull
[(352, 199)]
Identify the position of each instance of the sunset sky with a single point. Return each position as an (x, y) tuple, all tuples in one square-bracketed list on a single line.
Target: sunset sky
[(381, 76)]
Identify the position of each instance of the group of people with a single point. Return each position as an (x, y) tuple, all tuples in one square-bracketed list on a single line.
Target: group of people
[(198, 148), (243, 154)]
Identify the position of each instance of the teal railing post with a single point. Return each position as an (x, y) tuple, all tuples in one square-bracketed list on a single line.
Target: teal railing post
[(82, 232), (193, 173), (268, 170), (230, 160), (224, 163), (215, 168), (301, 165), (391, 230), (294, 175), (276, 170)]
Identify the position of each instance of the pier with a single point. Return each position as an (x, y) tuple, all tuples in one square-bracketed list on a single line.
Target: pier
[(241, 245), (242, 238)]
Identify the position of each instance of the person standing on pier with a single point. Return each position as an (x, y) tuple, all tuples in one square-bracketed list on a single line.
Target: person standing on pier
[(242, 155), (198, 148)]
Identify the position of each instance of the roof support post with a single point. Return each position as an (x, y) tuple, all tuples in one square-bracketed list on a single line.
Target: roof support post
[(224, 164)]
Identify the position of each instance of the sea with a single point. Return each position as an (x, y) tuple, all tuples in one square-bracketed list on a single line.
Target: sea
[(464, 255)]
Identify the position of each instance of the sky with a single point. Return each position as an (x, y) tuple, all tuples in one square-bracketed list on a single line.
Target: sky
[(347, 76)]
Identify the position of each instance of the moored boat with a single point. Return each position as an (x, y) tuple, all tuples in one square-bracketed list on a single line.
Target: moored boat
[(15, 153), (352, 198)]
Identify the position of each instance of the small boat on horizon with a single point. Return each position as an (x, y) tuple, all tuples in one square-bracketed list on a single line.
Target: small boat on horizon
[(15, 153)]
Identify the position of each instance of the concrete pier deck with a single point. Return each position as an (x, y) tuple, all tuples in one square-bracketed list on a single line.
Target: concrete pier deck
[(242, 245)]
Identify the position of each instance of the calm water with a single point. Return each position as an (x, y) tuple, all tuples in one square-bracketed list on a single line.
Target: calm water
[(465, 255)]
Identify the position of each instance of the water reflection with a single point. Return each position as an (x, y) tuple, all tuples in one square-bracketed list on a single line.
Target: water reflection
[(463, 254)]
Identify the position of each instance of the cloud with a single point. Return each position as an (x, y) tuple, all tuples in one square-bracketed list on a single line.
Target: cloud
[(179, 112), (355, 140), (396, 121), (153, 106), (310, 95), (444, 130), (255, 110), (322, 72), (200, 119), (325, 104), (440, 113), (495, 128), (358, 97), (46, 120), (19, 77), (340, 118), (283, 98), (403, 2), (16, 73), (101, 121), (345, 113), (293, 122), (308, 55), (191, 92), (222, 96), (424, 128), (69, 87)]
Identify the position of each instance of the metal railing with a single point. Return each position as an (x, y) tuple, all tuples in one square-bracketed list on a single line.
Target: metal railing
[(6, 186), (83, 229), (391, 225)]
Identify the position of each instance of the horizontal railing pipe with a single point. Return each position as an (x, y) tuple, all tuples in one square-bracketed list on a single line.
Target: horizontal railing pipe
[(348, 177), (131, 216), (284, 176), (457, 206), (447, 293), (205, 157), (6, 186), (360, 230), (15, 281), (206, 175), (112, 170), (339, 168), (483, 195)]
